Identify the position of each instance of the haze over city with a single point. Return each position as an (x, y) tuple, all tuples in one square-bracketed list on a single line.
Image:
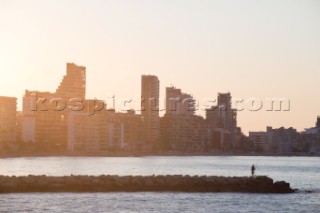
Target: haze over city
[(159, 106), (252, 49)]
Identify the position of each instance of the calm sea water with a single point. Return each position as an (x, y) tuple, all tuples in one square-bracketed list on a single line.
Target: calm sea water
[(302, 172)]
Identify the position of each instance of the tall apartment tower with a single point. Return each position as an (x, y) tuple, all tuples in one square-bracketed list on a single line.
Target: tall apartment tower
[(73, 84), (150, 111), (8, 114), (227, 115), (225, 111), (318, 122), (41, 124), (46, 127), (178, 102)]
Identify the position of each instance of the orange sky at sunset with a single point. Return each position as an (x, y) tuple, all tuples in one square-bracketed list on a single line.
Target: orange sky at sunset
[(253, 49)]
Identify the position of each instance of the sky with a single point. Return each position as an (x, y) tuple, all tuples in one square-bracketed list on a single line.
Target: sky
[(255, 50)]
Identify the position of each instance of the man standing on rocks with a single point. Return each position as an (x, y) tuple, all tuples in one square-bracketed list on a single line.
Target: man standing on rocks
[(253, 169)]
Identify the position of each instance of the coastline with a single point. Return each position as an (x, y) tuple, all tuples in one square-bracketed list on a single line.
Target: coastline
[(150, 154)]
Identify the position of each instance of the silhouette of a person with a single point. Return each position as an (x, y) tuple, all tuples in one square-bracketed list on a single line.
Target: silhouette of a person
[(252, 169)]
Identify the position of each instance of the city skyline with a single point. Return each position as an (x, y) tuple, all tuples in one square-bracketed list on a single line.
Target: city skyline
[(263, 50), (68, 121), (123, 104), (159, 106)]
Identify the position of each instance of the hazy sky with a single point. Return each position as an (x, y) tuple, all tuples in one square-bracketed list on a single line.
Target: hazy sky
[(254, 49)]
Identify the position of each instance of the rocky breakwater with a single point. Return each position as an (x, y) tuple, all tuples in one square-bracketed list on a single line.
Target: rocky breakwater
[(161, 183)]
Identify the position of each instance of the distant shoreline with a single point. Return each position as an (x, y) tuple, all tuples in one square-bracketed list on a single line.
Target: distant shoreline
[(146, 154)]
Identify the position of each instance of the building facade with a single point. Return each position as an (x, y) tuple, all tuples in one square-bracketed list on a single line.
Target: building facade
[(87, 132), (73, 84), (150, 111), (181, 130), (280, 140), (178, 102), (309, 140), (8, 120), (261, 140), (124, 131), (184, 133), (222, 121), (45, 114)]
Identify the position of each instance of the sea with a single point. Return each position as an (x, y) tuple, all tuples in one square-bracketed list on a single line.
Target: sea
[(303, 173)]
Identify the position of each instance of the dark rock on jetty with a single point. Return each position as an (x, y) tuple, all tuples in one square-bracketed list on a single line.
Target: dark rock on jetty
[(173, 183)]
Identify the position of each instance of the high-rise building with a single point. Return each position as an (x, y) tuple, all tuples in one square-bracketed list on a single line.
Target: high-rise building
[(19, 126), (42, 125), (73, 84), (261, 140), (29, 119), (225, 111), (45, 121), (184, 133), (309, 140), (283, 139), (86, 131), (213, 118), (222, 120), (181, 130), (8, 114), (228, 115), (178, 102), (124, 131), (150, 111)]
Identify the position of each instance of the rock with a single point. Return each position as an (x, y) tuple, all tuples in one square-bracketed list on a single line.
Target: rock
[(84, 183), (282, 187), (122, 181)]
